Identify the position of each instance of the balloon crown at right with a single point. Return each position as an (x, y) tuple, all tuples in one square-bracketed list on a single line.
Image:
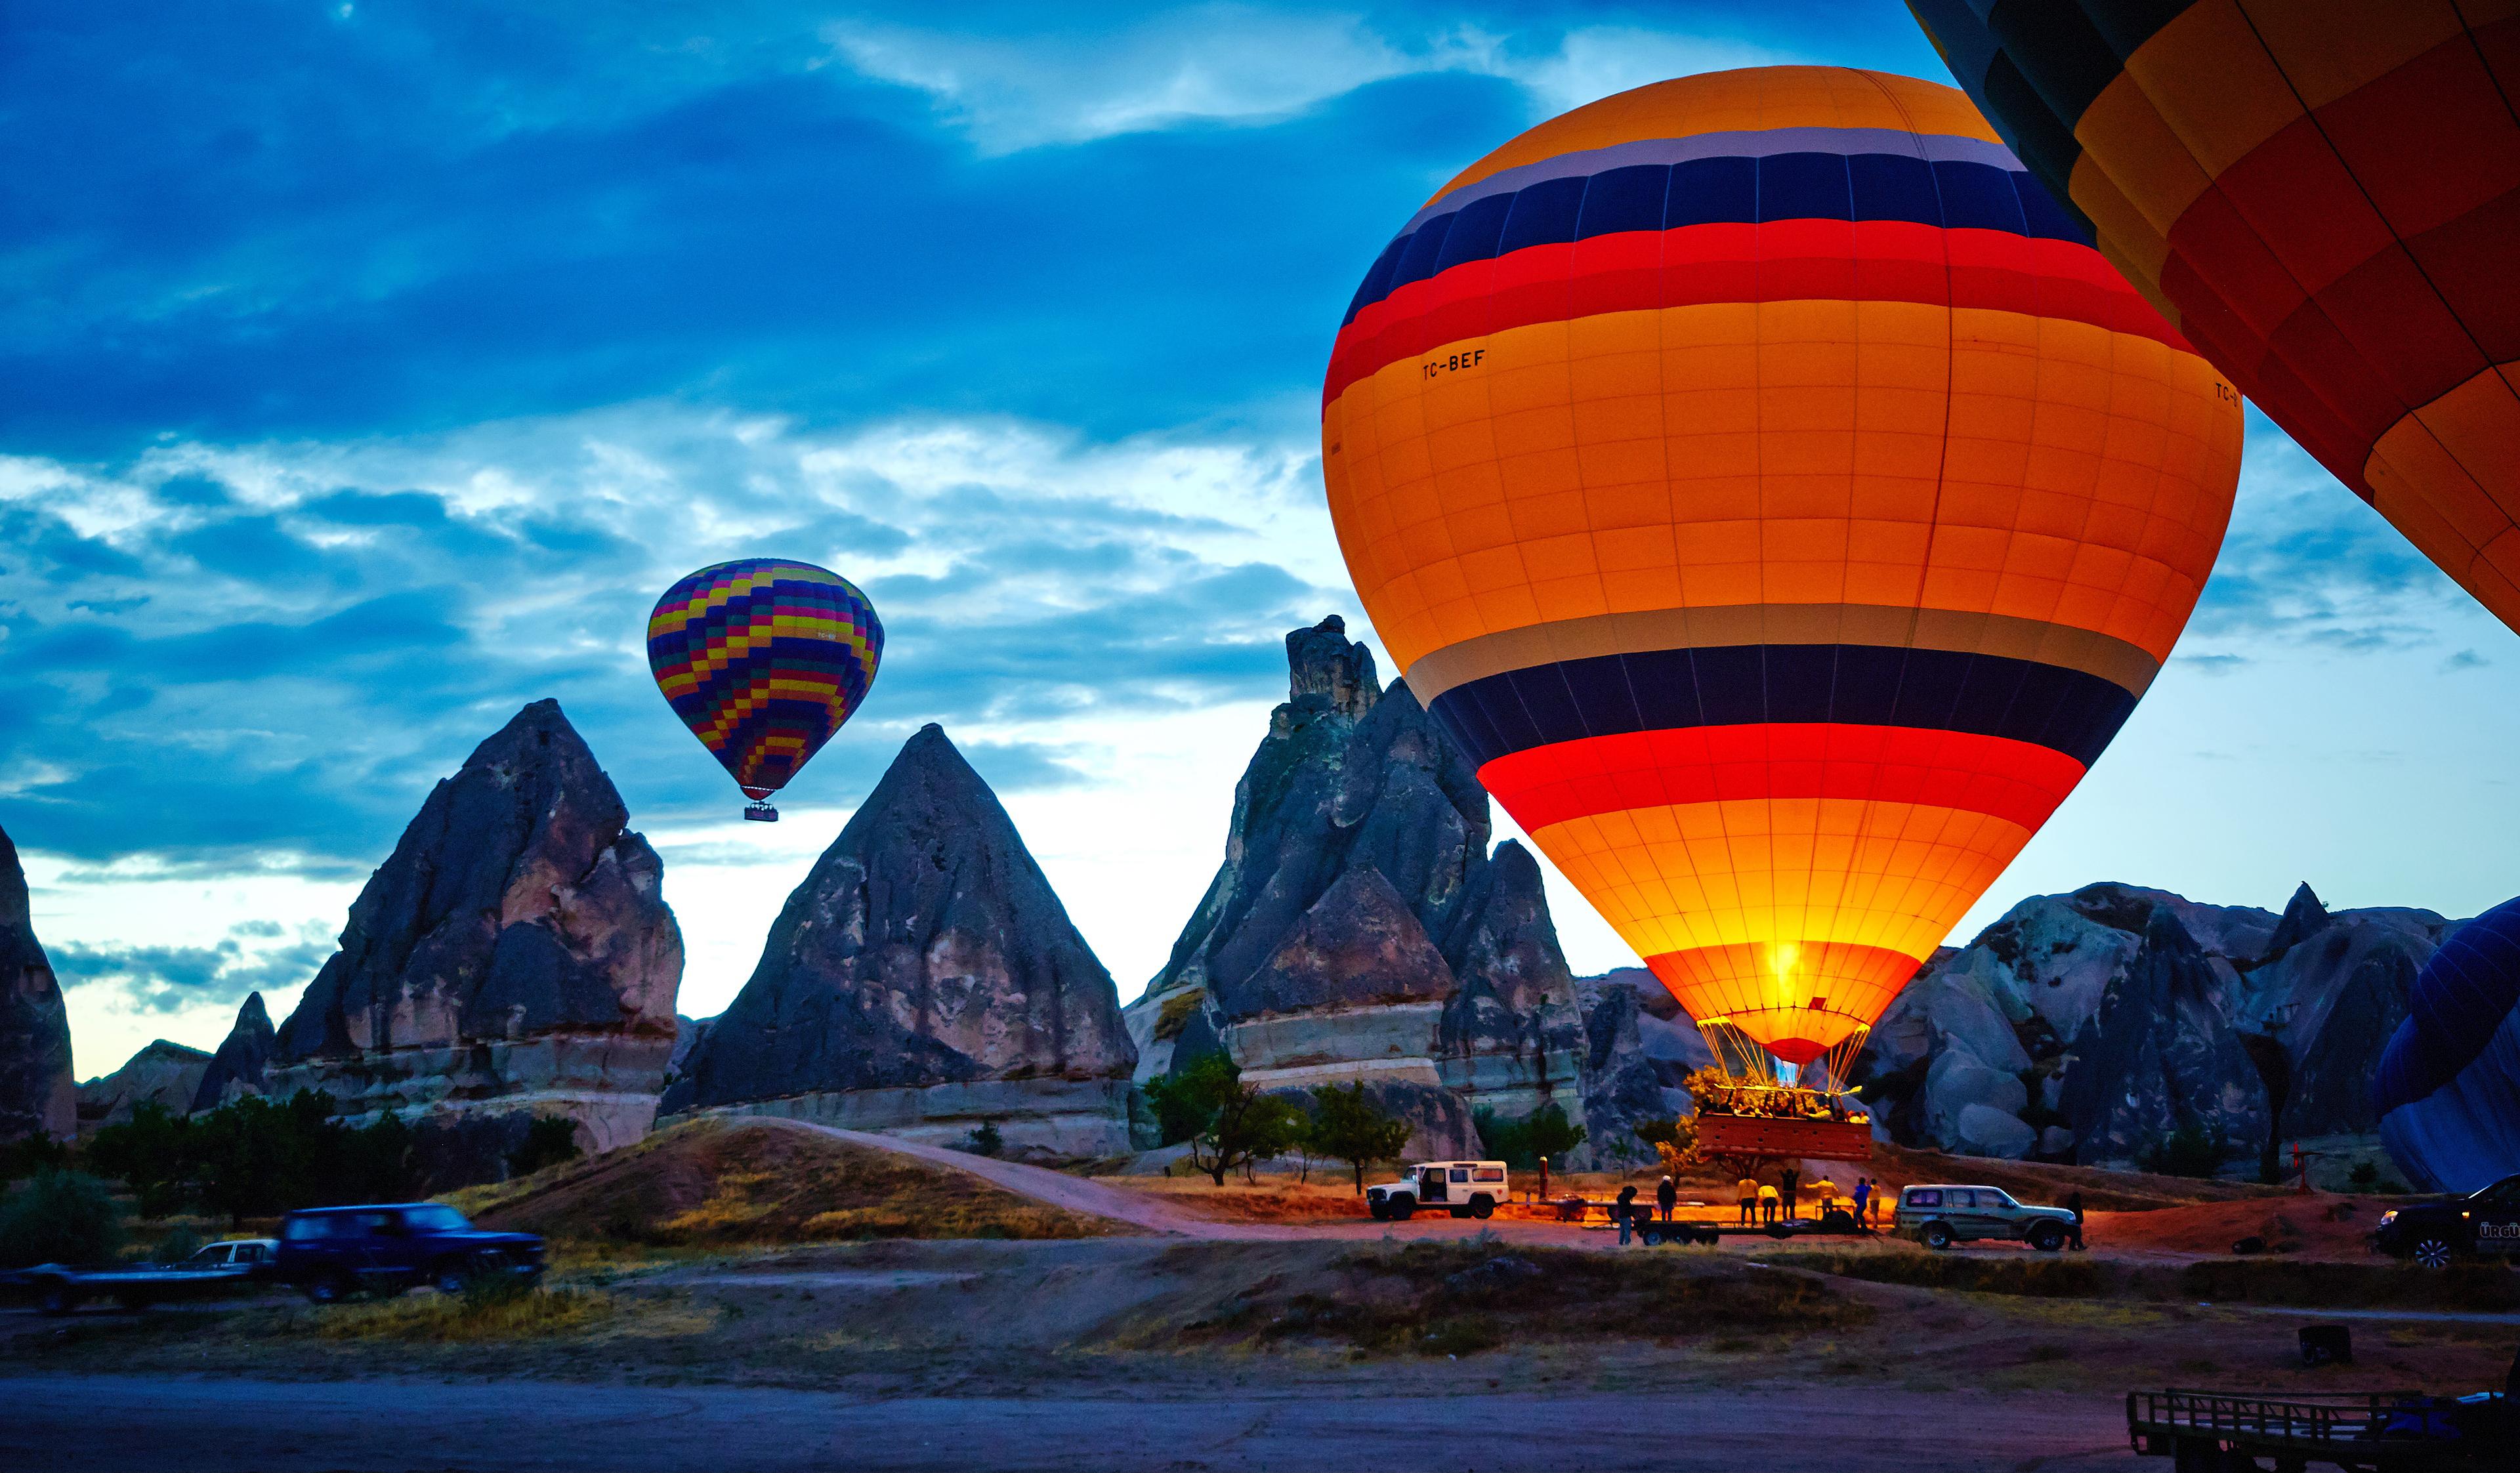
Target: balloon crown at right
[(2324, 200), (1783, 503)]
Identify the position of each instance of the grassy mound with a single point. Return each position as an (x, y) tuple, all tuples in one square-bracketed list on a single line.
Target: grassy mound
[(1457, 1297), (724, 1182), (2042, 1278)]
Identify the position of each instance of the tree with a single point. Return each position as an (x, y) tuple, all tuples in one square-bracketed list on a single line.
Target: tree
[(1348, 1125), (1521, 1143), (986, 1139), (59, 1217), (1674, 1140), (152, 1153), (1227, 1123), (551, 1140)]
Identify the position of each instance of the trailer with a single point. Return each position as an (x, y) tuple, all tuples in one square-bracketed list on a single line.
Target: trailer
[(2381, 1432)]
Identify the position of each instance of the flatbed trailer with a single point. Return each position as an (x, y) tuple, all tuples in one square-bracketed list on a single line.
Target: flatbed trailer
[(2370, 1432)]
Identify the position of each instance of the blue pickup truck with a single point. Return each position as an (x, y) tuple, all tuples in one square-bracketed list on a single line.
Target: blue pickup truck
[(329, 1253)]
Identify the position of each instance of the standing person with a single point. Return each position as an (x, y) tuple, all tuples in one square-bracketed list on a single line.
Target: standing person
[(1666, 1196), (2074, 1205), (1748, 1187), (1789, 1179), (1626, 1211), (1768, 1204), (1863, 1198)]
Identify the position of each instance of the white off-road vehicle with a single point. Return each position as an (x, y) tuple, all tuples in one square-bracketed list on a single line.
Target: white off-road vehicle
[(1465, 1188), (1939, 1215)]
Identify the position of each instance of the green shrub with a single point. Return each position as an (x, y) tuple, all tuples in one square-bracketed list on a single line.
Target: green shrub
[(2187, 1151), (551, 1140), (59, 1217), (986, 1139), (1521, 1143)]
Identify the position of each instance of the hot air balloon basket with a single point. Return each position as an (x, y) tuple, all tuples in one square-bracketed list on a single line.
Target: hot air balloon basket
[(1750, 1136), (761, 813)]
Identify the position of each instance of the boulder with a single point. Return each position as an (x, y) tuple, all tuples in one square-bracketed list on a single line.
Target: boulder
[(1986, 1131), (923, 979), (512, 959), (2159, 1057), (238, 1068), (164, 1073), (38, 1092)]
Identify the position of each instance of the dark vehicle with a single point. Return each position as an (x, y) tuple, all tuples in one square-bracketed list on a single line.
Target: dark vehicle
[(332, 1252), (2432, 1234), (2407, 1431), (220, 1268)]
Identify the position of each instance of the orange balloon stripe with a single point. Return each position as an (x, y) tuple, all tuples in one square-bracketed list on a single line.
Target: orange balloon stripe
[(2018, 782)]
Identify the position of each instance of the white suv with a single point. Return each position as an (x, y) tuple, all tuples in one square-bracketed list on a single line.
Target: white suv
[(1939, 1216), (1465, 1188)]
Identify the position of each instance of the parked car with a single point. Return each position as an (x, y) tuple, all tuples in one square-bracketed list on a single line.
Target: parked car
[(330, 1252), (1465, 1188), (2432, 1234), (220, 1268), (1938, 1216)]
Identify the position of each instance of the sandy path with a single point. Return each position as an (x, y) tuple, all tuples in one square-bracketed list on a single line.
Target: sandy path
[(1156, 1214), (73, 1423)]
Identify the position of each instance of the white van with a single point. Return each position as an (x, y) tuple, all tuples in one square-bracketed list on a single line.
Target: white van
[(1465, 1188)]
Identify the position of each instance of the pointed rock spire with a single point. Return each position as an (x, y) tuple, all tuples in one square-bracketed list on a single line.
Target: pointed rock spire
[(38, 1092), (926, 948), (236, 1070), (2302, 915)]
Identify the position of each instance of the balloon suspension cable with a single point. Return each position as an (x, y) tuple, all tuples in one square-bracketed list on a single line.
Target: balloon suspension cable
[(1837, 1066), (1742, 1059)]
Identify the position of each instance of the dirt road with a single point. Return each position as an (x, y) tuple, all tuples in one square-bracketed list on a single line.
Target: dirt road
[(205, 1425)]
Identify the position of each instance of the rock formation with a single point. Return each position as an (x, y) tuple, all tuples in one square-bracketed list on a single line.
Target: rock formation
[(237, 1070), (2096, 1026), (924, 978), (37, 1091), (514, 958), (164, 1073), (1359, 930)]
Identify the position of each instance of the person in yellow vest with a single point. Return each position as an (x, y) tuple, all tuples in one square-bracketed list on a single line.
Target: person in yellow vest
[(1768, 1204), (1748, 1187), (1824, 1194)]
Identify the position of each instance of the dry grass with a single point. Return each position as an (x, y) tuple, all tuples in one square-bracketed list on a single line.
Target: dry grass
[(507, 1311), (2039, 1277), (1458, 1298), (2479, 1286), (712, 1183)]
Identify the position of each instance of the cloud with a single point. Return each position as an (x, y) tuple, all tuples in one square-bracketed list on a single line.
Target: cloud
[(255, 957), (332, 631), (1246, 65)]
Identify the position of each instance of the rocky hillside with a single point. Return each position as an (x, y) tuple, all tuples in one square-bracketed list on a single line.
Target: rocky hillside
[(514, 958), (1359, 929), (925, 979), (38, 1092), (2095, 1027), (165, 1074)]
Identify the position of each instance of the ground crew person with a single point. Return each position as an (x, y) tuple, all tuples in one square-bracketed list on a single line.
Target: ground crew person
[(1863, 1198), (1748, 1187), (1665, 1197), (1626, 1212), (2074, 1205), (1768, 1204), (1789, 1178)]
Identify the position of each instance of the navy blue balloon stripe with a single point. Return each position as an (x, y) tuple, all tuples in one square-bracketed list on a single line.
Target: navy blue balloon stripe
[(1951, 193), (2064, 710), (2460, 996)]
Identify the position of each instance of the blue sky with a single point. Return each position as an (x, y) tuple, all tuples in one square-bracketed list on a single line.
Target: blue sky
[(369, 369)]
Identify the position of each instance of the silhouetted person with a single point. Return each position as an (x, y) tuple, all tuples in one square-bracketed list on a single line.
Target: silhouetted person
[(1666, 1196), (1625, 1211), (1789, 1181), (2074, 1205)]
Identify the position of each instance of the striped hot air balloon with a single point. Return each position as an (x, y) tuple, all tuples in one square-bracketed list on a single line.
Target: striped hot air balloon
[(1782, 504), (764, 659), (2325, 197)]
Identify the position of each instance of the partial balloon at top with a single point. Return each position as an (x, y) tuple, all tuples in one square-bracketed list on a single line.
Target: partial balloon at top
[(2325, 198), (763, 659), (1779, 500)]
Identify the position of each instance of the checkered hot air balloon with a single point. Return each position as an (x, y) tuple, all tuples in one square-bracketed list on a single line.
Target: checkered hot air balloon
[(1783, 503), (764, 659)]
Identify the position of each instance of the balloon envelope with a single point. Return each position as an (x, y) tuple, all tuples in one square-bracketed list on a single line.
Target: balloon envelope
[(1782, 502), (2325, 198), (764, 659), (2448, 1086)]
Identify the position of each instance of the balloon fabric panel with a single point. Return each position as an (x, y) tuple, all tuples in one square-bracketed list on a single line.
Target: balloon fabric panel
[(1777, 497), (2325, 198), (764, 659)]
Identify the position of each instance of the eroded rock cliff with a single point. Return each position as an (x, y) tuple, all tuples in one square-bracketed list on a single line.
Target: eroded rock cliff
[(924, 978), (38, 1092), (515, 956), (165, 1074)]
